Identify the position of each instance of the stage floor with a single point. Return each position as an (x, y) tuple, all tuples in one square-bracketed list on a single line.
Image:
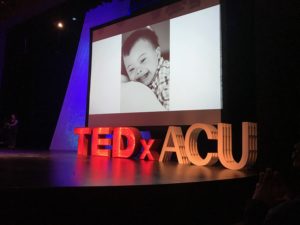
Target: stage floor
[(23, 168), (50, 187)]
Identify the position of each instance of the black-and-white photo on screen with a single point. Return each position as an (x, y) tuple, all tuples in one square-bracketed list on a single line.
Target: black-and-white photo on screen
[(173, 65)]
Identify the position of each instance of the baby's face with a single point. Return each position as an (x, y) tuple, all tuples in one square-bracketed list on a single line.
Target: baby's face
[(142, 61)]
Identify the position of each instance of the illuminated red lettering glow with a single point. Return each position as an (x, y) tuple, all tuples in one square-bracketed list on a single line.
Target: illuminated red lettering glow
[(127, 141)]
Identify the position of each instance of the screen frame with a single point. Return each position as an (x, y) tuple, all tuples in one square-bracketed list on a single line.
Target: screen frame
[(161, 118)]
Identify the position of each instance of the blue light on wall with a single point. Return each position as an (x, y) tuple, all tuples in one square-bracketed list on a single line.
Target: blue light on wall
[(73, 111)]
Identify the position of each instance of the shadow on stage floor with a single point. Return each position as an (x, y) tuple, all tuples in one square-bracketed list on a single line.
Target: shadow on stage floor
[(48, 187)]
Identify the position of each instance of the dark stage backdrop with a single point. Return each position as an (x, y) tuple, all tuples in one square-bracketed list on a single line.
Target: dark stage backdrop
[(38, 63), (261, 76), (259, 68)]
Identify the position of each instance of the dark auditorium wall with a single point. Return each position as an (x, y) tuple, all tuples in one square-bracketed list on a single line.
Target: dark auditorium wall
[(38, 63), (238, 65), (277, 72), (2, 50), (260, 75)]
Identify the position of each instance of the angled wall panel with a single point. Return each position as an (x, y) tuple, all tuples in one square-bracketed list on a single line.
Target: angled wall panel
[(73, 110)]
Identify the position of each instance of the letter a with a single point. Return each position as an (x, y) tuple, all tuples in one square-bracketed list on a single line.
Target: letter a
[(174, 143)]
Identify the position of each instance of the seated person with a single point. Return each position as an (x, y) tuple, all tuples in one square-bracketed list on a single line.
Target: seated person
[(12, 130), (276, 201)]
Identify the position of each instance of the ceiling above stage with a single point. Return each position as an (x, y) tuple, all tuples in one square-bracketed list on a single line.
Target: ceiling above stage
[(14, 11), (19, 9)]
